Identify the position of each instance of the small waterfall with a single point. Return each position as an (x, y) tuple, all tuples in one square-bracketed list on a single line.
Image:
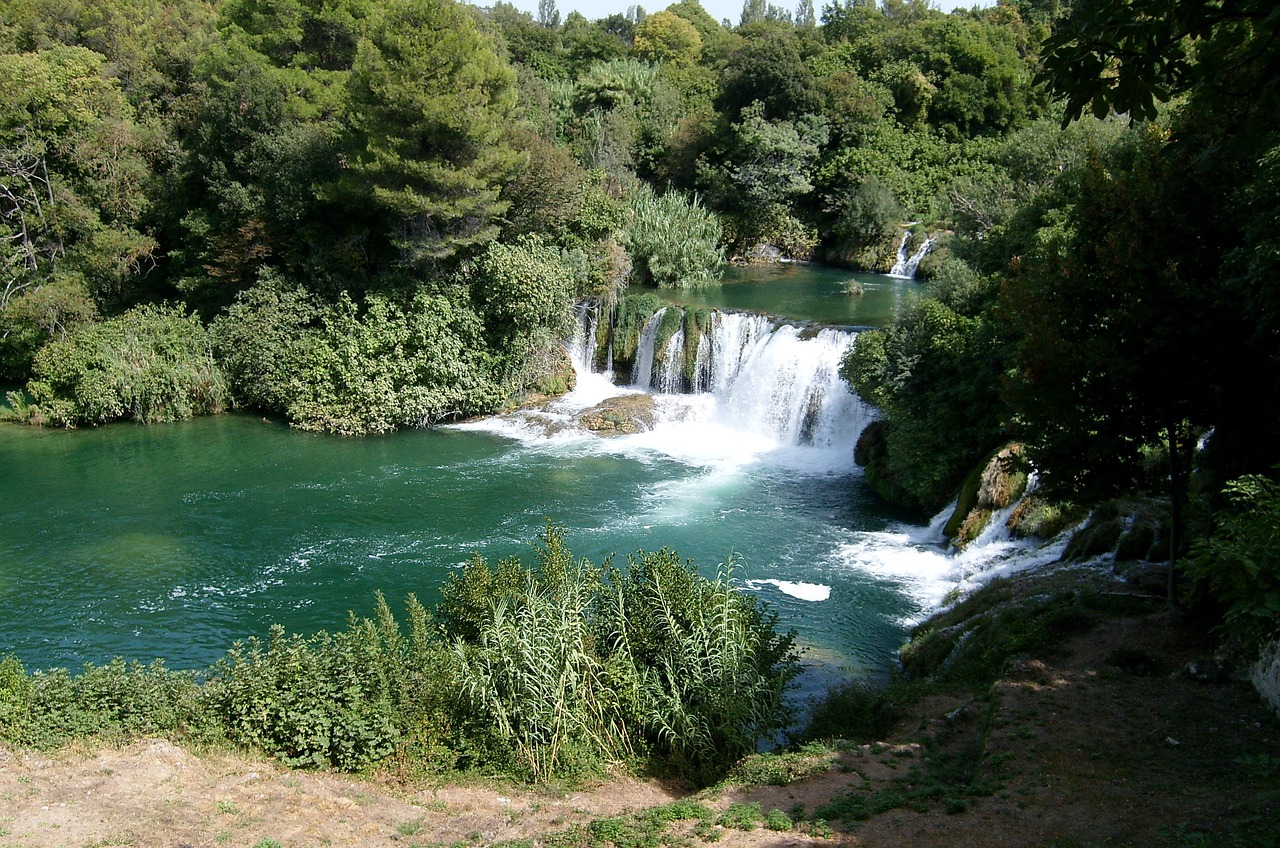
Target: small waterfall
[(581, 346), (900, 266), (671, 365), (906, 265), (702, 366), (642, 373)]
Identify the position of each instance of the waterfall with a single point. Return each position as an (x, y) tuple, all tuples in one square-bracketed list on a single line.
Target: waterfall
[(789, 387), (782, 383), (900, 266), (671, 365), (642, 373), (733, 335), (581, 345), (906, 265), (702, 366)]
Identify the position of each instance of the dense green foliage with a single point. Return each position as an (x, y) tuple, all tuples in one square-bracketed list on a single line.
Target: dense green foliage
[(150, 364), (554, 671), (1115, 308), (674, 242), (1240, 561), (435, 181), (381, 213), (932, 374)]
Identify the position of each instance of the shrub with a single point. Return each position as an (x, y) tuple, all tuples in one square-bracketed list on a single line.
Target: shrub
[(357, 368), (674, 242), (151, 364), (116, 700), (577, 665), (858, 711), (701, 668), (311, 701), (1240, 561), (346, 700)]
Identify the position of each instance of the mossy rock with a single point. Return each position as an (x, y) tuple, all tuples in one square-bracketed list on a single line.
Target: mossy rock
[(1129, 529), (1039, 517), (1004, 479), (620, 416), (966, 502)]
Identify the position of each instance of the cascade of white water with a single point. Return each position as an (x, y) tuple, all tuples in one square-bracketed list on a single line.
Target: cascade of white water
[(914, 262), (642, 372), (671, 365), (899, 268), (733, 335), (782, 384), (906, 265), (581, 346), (790, 389), (702, 366)]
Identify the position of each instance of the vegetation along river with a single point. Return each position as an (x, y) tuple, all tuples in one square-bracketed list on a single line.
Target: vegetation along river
[(174, 540)]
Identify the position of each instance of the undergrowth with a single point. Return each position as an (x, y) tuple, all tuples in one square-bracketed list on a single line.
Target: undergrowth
[(557, 671)]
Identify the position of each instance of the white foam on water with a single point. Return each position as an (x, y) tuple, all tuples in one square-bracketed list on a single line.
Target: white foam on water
[(812, 592)]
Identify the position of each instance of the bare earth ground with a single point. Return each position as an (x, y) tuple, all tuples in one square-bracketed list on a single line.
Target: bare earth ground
[(1076, 752)]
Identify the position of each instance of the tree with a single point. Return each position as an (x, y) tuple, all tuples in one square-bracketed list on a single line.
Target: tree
[(674, 242), (769, 69), (73, 170), (429, 105), (934, 375), (805, 17), (668, 38), (548, 14), (1127, 55)]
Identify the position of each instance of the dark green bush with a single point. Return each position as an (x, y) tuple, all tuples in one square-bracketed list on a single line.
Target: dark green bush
[(1240, 561), (153, 363), (355, 368)]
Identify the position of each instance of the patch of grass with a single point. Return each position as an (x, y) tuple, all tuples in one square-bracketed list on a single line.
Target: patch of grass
[(778, 820), (779, 769), (953, 770), (977, 649), (860, 711), (409, 828), (742, 816)]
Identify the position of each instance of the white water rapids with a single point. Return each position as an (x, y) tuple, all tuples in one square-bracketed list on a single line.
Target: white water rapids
[(770, 401)]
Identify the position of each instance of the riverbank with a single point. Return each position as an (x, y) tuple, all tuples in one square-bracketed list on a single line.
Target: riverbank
[(1091, 732)]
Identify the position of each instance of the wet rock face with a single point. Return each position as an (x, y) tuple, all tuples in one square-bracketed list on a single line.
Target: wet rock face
[(619, 416)]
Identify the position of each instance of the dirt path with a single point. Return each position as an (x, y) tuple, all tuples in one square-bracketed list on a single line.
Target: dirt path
[(1072, 751)]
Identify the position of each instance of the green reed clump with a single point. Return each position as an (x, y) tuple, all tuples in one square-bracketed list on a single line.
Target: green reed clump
[(591, 664)]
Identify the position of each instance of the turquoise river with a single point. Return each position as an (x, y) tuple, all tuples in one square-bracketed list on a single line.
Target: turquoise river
[(173, 541)]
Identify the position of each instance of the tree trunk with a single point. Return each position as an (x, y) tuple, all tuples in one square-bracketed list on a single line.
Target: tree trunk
[(1177, 493)]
